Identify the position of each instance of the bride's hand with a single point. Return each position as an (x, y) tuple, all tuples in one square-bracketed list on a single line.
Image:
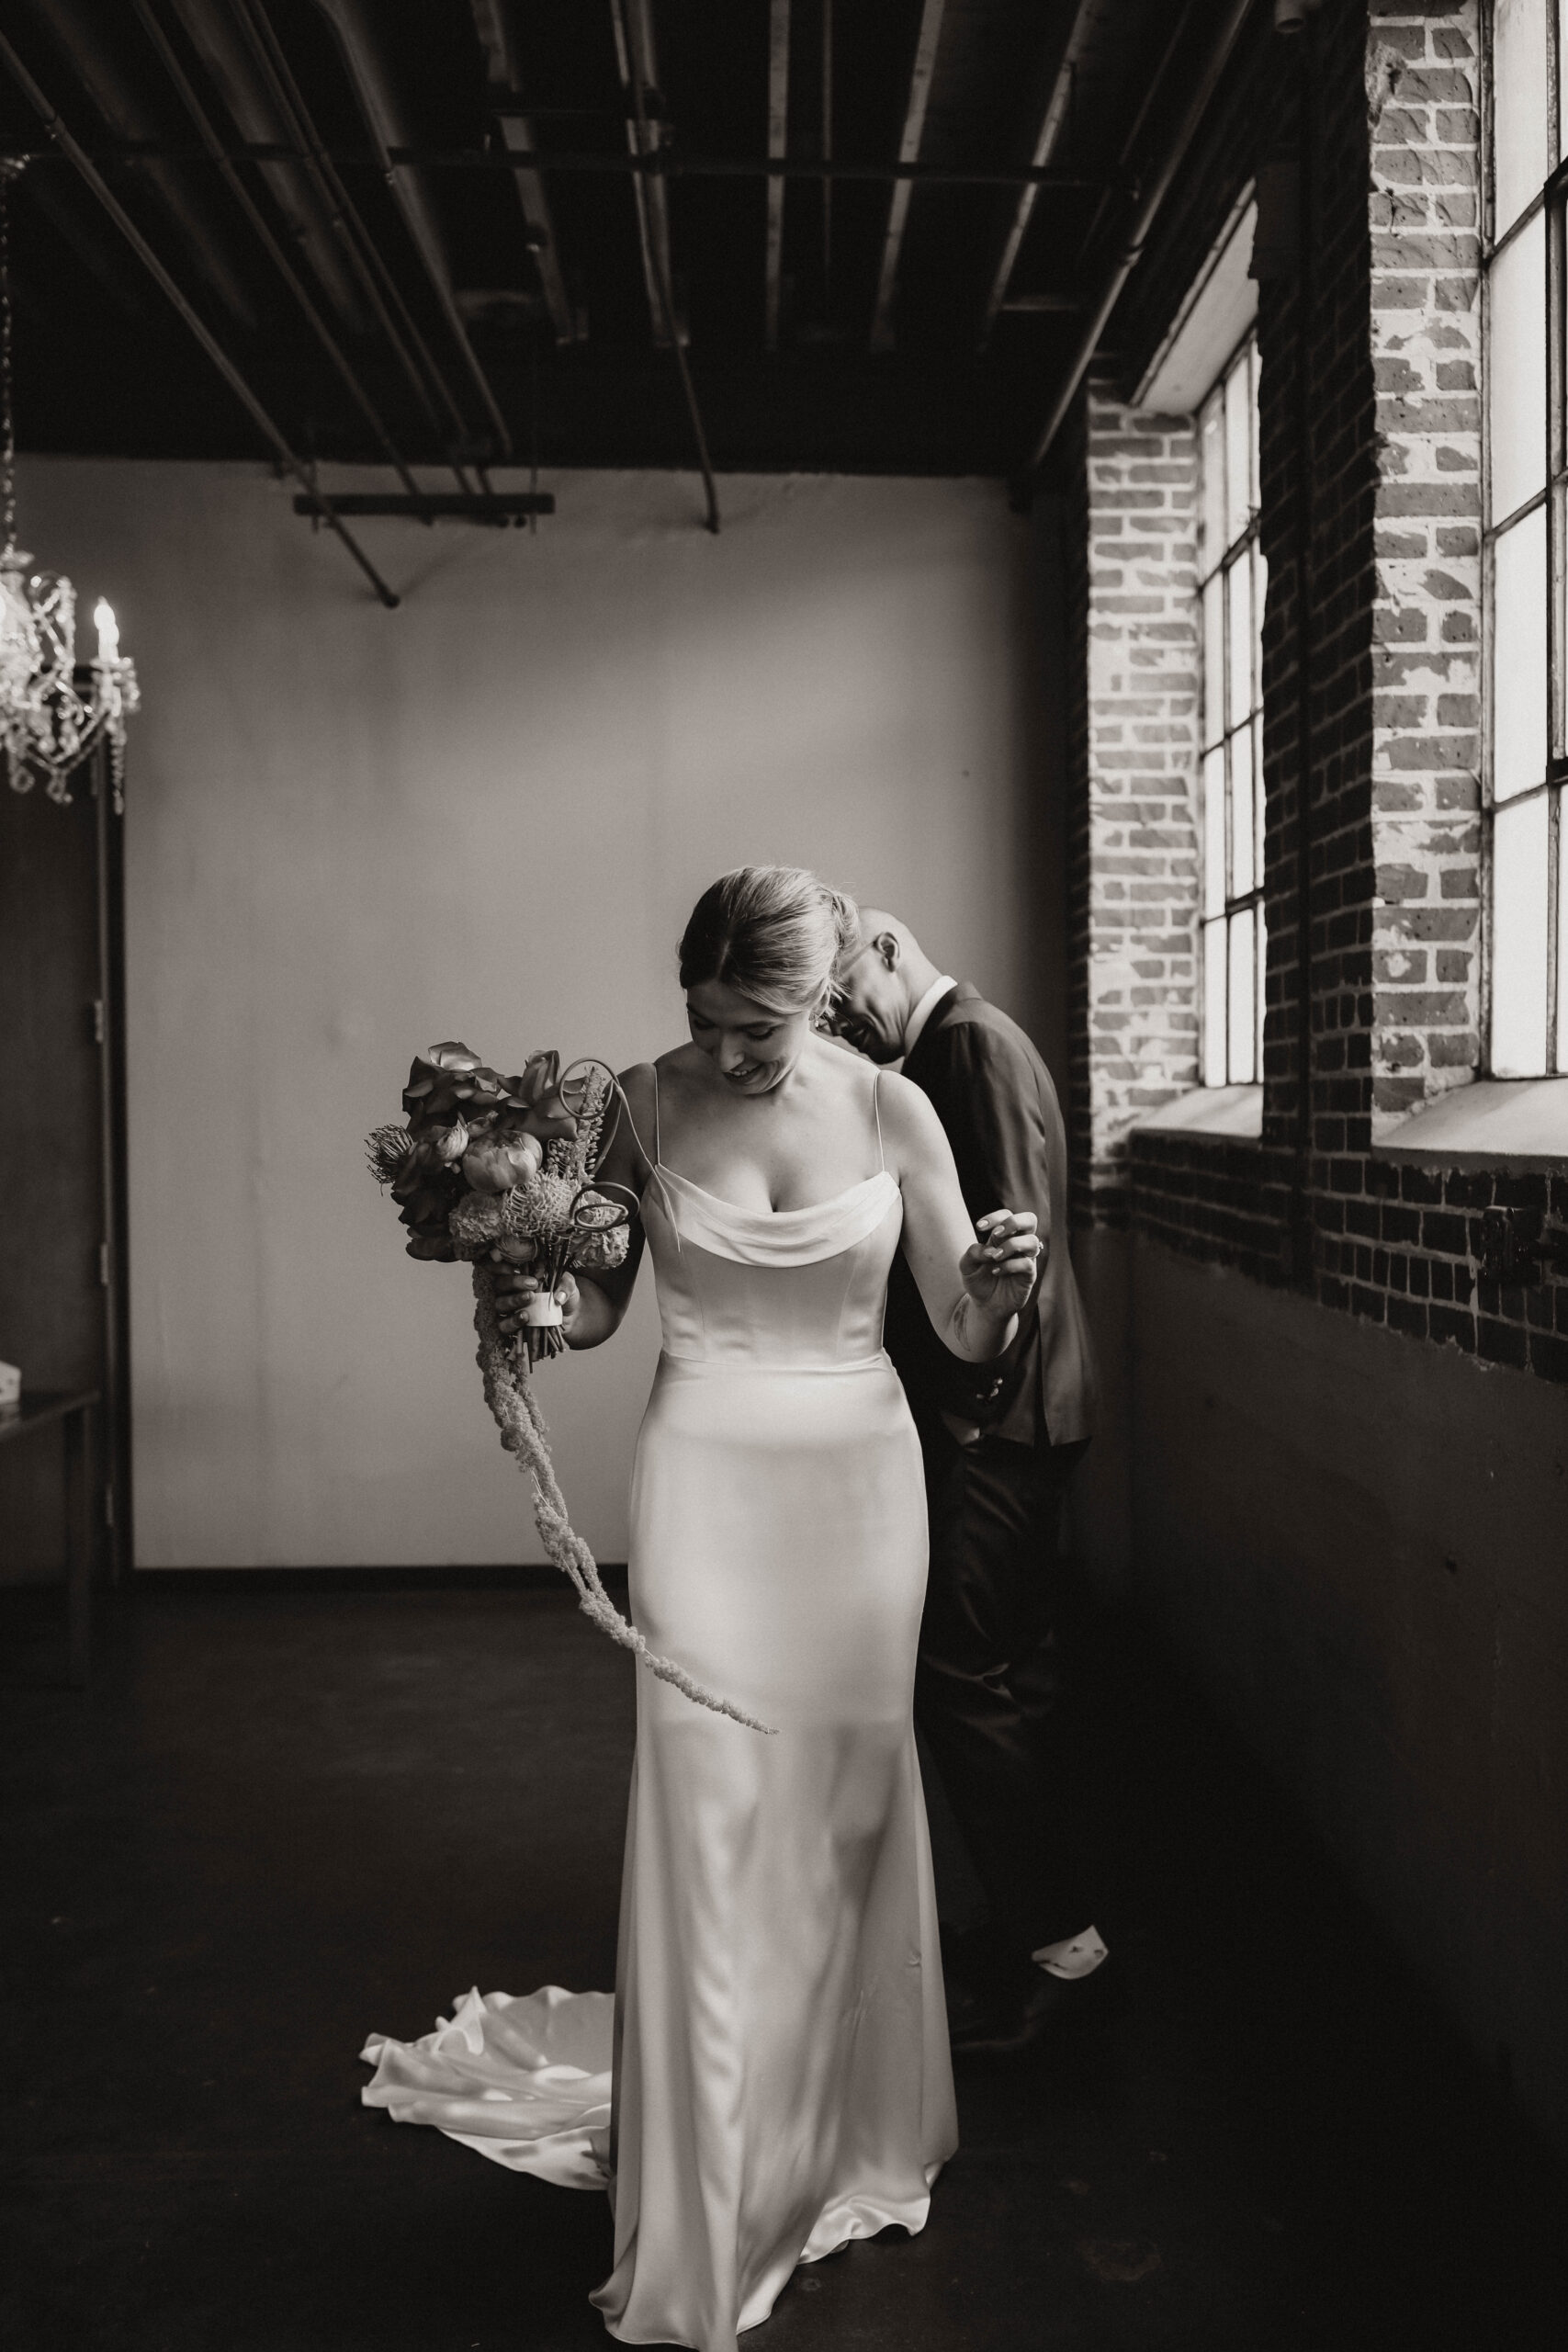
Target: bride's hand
[(999, 1267), (514, 1285)]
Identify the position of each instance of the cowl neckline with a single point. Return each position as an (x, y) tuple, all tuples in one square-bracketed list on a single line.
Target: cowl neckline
[(775, 1236)]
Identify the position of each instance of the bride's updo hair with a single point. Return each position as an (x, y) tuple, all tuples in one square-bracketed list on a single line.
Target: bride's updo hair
[(774, 933)]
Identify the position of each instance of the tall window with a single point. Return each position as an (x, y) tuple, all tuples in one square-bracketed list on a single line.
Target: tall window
[(1231, 580), (1526, 480)]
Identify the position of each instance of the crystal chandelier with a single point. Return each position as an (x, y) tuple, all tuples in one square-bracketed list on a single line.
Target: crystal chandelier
[(49, 722)]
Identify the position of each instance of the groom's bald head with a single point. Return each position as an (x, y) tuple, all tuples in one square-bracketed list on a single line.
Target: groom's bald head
[(875, 920), (878, 983)]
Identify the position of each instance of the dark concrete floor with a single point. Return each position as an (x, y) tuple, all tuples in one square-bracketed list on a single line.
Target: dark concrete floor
[(283, 1818)]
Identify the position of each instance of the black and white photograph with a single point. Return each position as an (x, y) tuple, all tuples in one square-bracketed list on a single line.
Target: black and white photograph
[(783, 1175)]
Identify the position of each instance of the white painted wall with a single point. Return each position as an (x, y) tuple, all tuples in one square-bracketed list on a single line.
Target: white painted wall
[(486, 815)]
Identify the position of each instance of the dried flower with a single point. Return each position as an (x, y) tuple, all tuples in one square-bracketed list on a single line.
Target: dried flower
[(386, 1149)]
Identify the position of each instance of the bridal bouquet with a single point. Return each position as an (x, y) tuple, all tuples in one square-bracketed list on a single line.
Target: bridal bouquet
[(499, 1171)]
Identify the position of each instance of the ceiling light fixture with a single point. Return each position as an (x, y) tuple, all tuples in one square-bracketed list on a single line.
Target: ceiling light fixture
[(52, 718)]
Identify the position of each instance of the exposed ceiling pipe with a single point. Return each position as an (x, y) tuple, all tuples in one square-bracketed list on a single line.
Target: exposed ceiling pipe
[(257, 219), (291, 465), (429, 385), (356, 33), (1052, 123), (921, 75), (1145, 215), (778, 130), (223, 54), (632, 27), (826, 151), (1153, 85), (493, 25), (667, 303), (80, 38), (60, 201)]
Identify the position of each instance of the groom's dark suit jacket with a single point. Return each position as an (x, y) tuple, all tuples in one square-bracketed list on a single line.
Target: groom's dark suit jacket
[(994, 1097)]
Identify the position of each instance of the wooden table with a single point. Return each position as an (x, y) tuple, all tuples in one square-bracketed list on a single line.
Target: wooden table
[(41, 1408)]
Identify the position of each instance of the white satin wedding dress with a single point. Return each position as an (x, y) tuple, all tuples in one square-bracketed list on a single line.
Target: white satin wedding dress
[(779, 2079)]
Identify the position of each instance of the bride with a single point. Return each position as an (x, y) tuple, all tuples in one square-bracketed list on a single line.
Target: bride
[(781, 2078)]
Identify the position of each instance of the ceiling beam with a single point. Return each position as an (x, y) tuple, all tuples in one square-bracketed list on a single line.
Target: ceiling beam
[(321, 503), (274, 252), (778, 134), (658, 255), (493, 23), (660, 164), (1052, 123), (633, 24), (908, 149), (355, 27), (1145, 213)]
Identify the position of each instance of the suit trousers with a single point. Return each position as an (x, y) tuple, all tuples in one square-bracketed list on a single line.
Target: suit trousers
[(988, 1694)]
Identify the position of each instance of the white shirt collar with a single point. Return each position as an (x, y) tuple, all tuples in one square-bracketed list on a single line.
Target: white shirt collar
[(923, 1011)]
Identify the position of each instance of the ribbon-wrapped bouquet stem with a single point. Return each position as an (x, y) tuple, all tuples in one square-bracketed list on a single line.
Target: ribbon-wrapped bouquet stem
[(501, 1171)]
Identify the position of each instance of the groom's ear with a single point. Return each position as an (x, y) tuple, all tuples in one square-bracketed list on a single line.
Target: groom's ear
[(886, 945)]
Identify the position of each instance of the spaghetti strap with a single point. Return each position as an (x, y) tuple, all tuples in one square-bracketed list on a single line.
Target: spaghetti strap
[(656, 1165), (876, 1106)]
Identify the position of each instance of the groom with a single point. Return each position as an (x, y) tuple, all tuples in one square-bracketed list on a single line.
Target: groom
[(1001, 1441)]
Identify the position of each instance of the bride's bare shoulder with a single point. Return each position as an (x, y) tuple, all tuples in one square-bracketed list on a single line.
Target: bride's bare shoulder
[(667, 1070), (910, 1124)]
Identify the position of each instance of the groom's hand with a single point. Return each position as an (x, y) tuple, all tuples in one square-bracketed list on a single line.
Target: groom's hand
[(1002, 1263)]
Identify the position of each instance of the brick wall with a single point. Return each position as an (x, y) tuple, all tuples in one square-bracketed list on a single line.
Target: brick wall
[(1137, 841), (1424, 123), (1370, 525)]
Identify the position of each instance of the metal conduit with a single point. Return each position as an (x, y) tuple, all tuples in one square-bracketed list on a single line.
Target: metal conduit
[(375, 104), (257, 219), (49, 115), (660, 164), (667, 301), (1144, 219), (429, 385)]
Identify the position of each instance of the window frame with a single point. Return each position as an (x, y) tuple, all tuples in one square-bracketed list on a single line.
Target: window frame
[(1246, 546), (1549, 200)]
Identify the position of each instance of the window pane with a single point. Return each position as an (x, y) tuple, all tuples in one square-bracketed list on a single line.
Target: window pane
[(1214, 831), (1213, 660), (1215, 1002), (1260, 606), (1518, 107), (1238, 452), (1257, 792), (1255, 414), (1242, 816), (1238, 597), (1518, 940), (1519, 657), (1260, 964), (1242, 1016), (1211, 458), (1515, 379)]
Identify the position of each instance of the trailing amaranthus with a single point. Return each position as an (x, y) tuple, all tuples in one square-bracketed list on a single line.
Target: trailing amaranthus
[(500, 1170)]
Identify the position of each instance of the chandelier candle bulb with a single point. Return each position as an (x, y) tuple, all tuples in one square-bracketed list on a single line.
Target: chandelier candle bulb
[(48, 724)]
